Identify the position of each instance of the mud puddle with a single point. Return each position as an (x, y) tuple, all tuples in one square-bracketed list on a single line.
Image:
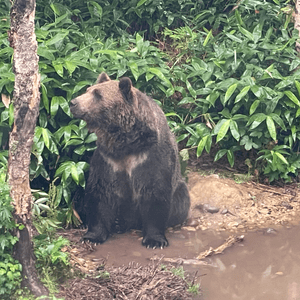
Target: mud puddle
[(266, 265)]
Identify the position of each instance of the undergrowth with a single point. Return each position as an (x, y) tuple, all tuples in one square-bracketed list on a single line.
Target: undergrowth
[(226, 74)]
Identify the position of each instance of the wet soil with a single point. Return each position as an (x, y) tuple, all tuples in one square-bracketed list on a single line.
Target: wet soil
[(265, 265)]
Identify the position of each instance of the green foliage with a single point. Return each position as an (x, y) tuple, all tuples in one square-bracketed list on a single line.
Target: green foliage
[(51, 262), (240, 87), (179, 271), (226, 76), (10, 269)]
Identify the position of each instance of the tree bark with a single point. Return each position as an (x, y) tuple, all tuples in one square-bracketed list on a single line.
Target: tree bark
[(297, 21), (26, 101)]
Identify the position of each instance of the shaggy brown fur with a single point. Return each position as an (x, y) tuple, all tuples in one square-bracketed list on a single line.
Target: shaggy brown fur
[(134, 179)]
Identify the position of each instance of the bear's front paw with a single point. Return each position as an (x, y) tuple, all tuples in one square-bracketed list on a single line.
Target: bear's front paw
[(95, 237), (155, 241)]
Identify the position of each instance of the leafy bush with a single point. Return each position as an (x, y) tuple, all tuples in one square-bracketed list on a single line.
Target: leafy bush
[(226, 76), (52, 261), (10, 269), (239, 88)]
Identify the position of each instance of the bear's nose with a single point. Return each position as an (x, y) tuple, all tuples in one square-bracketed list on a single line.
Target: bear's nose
[(73, 102)]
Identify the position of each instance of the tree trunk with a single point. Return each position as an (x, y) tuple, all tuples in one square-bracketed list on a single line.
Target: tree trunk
[(26, 100), (297, 21)]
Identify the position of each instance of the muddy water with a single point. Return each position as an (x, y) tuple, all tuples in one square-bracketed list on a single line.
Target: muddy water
[(265, 266)]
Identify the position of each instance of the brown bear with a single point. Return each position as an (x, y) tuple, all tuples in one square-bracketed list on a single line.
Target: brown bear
[(134, 179)]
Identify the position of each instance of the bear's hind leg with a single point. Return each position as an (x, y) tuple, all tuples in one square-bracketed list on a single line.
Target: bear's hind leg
[(99, 226), (180, 205)]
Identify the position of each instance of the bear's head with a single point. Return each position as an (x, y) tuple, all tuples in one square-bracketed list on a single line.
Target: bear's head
[(108, 104)]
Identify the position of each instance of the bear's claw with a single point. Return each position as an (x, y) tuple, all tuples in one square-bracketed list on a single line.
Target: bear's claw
[(95, 239), (154, 242)]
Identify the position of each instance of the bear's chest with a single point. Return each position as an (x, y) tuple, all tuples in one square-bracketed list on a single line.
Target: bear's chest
[(127, 164)]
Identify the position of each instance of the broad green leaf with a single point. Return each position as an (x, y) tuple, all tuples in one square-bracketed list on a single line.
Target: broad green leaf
[(82, 165), (257, 32), (63, 168), (63, 103), (212, 97), (254, 106), (297, 83), (201, 145), (246, 33), (242, 93), (97, 9), (45, 97), (294, 131), (44, 52), (191, 90), (70, 66), (191, 131), (91, 138), (161, 76), (80, 85), (278, 120), (207, 38), (234, 130), (186, 100), (11, 114), (46, 137), (58, 68), (229, 92), (140, 3), (240, 117), (80, 150), (234, 38), (292, 97), (238, 17), (74, 174), (134, 69), (220, 154), (58, 37), (54, 105), (114, 54), (256, 119), (149, 76), (271, 127), (38, 132), (55, 9), (73, 142), (44, 207), (208, 144), (230, 157), (182, 137), (223, 130), (281, 157)]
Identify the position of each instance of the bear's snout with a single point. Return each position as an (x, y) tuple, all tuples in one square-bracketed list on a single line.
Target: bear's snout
[(74, 107), (73, 103)]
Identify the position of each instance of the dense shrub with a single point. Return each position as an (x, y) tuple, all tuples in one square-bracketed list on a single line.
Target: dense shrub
[(225, 73), (10, 269)]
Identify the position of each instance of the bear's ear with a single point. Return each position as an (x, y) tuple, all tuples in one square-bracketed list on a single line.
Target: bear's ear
[(125, 85), (102, 78)]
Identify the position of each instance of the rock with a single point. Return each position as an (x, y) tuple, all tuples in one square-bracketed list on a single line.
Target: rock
[(264, 211), (192, 222), (286, 205), (271, 231), (211, 209)]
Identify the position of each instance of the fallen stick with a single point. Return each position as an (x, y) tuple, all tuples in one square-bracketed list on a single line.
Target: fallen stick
[(180, 261), (228, 243)]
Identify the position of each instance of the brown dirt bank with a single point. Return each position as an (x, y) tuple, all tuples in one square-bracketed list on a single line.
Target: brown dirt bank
[(223, 204)]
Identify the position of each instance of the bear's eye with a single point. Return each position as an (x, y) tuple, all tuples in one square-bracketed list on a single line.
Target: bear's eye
[(97, 95)]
